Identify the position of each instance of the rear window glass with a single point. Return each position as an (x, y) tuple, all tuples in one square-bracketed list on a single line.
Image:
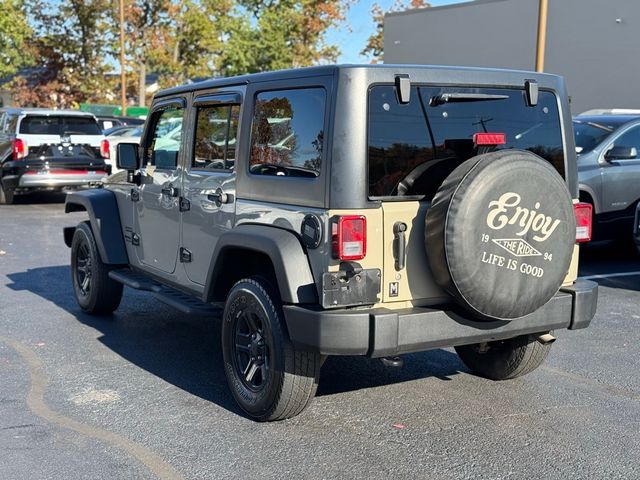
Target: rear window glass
[(59, 125), (414, 147), (287, 133)]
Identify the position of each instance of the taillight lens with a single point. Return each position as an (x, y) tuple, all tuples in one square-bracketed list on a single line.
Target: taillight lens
[(584, 214), (19, 148), (490, 138), (104, 149), (350, 238)]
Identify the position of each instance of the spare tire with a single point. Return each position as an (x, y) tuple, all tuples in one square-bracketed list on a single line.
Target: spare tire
[(500, 234)]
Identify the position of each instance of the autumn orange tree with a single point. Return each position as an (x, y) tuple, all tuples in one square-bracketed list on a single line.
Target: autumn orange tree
[(75, 42)]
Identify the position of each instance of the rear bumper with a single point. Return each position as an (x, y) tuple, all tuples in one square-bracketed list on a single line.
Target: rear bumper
[(53, 179), (59, 179), (380, 332)]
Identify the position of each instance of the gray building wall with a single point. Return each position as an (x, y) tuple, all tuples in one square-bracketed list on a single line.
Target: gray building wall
[(594, 44)]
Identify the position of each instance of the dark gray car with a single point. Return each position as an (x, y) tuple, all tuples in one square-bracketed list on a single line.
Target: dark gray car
[(348, 210), (608, 148)]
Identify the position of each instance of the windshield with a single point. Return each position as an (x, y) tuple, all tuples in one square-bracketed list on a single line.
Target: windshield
[(59, 125), (590, 134), (414, 147)]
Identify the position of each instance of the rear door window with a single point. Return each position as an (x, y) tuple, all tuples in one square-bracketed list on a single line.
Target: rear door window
[(215, 138), (414, 147), (59, 125)]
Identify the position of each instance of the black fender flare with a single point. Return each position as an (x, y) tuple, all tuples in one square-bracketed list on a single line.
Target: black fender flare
[(290, 262), (102, 207)]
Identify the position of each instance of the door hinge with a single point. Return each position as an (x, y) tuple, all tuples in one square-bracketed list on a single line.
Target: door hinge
[(135, 239), (135, 195), (185, 255), (185, 205)]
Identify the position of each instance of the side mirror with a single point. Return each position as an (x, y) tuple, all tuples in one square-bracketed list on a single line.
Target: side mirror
[(127, 157), (621, 153)]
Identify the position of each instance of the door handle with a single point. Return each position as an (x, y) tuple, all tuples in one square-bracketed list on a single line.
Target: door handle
[(218, 197), (170, 191), (399, 229)]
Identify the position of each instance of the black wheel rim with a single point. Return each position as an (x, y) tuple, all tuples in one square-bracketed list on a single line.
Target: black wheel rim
[(83, 269), (250, 350)]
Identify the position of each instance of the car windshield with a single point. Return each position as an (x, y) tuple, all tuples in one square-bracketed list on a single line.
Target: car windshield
[(59, 125), (590, 133), (119, 131)]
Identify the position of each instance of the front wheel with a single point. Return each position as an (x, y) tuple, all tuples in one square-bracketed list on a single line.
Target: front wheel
[(95, 292), (269, 378), (504, 359)]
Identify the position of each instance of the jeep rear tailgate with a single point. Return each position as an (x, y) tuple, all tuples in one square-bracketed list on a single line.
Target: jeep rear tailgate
[(413, 147)]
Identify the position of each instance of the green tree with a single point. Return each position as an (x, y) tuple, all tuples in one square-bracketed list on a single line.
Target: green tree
[(284, 34), (189, 46), (70, 43), (14, 31), (204, 38), (76, 42), (147, 26), (375, 44)]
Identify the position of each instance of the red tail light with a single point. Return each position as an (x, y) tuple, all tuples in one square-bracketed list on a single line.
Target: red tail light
[(104, 148), (350, 238), (19, 148), (584, 213)]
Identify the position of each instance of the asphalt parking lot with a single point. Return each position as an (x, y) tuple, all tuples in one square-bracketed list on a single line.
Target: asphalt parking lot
[(142, 394)]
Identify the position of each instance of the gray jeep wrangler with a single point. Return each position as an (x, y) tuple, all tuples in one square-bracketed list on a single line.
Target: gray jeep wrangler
[(348, 210)]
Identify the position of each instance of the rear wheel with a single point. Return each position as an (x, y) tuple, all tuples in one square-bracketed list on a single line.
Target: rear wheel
[(95, 292), (269, 378), (6, 195), (504, 359)]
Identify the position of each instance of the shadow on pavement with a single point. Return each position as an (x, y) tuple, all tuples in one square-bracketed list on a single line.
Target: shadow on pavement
[(185, 350)]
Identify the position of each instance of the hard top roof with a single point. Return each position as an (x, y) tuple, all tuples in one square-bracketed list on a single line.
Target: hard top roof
[(611, 120), (326, 70), (46, 111)]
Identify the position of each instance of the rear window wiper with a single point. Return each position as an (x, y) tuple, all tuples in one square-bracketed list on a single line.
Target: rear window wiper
[(464, 97)]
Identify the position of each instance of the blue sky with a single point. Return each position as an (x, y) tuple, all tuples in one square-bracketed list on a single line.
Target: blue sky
[(351, 36)]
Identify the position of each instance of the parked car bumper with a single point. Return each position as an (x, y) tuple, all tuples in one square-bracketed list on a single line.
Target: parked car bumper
[(48, 179), (380, 332)]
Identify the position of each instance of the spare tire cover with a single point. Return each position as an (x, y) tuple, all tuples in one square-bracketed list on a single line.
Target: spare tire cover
[(500, 234)]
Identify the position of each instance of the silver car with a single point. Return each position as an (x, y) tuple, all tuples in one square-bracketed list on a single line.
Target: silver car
[(609, 171)]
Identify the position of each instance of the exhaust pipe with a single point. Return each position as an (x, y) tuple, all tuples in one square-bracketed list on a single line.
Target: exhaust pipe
[(546, 338)]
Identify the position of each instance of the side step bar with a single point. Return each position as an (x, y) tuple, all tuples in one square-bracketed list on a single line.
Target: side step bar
[(167, 295)]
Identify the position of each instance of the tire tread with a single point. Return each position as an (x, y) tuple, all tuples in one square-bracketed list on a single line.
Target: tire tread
[(299, 381), (108, 292)]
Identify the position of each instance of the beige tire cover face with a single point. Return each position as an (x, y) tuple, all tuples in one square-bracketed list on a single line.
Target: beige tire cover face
[(500, 234)]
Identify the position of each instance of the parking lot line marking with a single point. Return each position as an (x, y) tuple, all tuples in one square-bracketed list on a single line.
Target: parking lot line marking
[(612, 275), (36, 403), (603, 387)]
